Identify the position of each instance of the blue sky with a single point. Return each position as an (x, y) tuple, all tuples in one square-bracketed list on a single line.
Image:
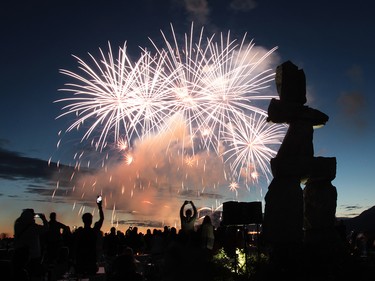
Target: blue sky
[(332, 43)]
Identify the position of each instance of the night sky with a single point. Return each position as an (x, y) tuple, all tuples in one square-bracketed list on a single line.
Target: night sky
[(332, 43)]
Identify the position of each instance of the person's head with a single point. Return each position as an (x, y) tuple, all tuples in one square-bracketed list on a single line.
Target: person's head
[(207, 219), (52, 216), (27, 216), (113, 230), (173, 230), (135, 230), (188, 213), (87, 219)]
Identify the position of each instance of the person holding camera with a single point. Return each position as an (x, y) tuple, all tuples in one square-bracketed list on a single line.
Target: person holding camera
[(27, 259), (86, 241)]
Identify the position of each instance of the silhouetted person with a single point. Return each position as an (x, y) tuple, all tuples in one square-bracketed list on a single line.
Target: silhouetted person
[(135, 240), (124, 267), (148, 241), (54, 238), (188, 218), (157, 246), (27, 244), (172, 237), (111, 244), (206, 237), (85, 244)]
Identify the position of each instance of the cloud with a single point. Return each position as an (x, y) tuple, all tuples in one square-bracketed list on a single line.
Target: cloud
[(148, 191), (266, 59), (38, 175), (353, 103), (16, 166), (142, 223), (353, 207), (243, 5), (198, 11), (157, 180), (161, 175), (351, 210), (355, 74), (352, 106)]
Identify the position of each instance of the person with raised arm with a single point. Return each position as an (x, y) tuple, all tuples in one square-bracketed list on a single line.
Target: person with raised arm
[(188, 217), (86, 242)]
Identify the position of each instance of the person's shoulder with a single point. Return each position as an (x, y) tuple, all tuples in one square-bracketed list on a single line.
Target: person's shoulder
[(98, 225), (81, 231), (40, 227), (60, 224)]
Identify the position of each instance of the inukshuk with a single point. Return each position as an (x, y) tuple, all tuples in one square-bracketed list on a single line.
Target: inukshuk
[(285, 213)]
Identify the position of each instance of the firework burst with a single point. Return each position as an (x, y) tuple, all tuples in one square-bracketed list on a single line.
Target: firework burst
[(251, 145), (211, 85)]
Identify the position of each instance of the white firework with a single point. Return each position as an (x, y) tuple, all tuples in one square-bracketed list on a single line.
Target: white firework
[(251, 145), (213, 84)]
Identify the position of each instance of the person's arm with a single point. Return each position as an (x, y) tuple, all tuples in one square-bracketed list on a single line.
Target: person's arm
[(45, 226), (182, 210), (99, 223), (62, 226), (195, 212)]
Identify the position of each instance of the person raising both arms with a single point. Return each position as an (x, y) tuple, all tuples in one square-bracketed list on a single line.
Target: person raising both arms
[(188, 217)]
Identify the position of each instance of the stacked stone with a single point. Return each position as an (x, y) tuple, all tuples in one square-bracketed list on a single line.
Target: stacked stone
[(325, 251), (285, 213)]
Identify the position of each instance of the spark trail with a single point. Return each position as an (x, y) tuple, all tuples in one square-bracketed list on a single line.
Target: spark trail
[(202, 93)]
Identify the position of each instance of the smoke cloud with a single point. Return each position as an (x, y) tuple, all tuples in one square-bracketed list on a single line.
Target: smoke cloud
[(154, 178), (352, 103)]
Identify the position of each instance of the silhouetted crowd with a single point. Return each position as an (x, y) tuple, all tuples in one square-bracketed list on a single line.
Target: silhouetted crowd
[(51, 251)]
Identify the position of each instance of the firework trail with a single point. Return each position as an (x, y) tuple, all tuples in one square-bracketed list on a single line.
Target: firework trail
[(209, 83), (207, 88), (252, 140), (215, 82)]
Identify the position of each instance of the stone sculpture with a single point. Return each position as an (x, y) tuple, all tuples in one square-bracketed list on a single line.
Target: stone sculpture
[(290, 210)]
